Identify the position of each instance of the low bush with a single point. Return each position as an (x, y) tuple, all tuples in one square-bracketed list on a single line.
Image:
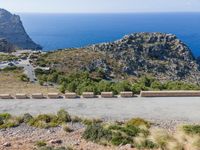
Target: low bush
[(7, 121), (138, 122), (192, 129), (53, 148), (24, 78), (76, 119), (97, 133), (10, 68), (1, 121), (119, 139), (5, 116), (113, 134), (143, 143), (44, 121), (27, 117), (91, 121), (40, 143), (63, 116), (48, 120), (161, 138), (67, 128), (128, 130)]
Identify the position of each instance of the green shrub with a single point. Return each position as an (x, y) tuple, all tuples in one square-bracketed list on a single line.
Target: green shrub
[(192, 129), (91, 121), (40, 143), (67, 128), (76, 119), (9, 125), (44, 121), (119, 139), (24, 78), (8, 121), (138, 122), (146, 144), (10, 68), (52, 148), (27, 117), (129, 130), (63, 116), (1, 121), (5, 116), (97, 133)]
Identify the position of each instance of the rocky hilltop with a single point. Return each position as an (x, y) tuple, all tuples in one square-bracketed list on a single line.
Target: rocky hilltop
[(161, 55), (11, 29)]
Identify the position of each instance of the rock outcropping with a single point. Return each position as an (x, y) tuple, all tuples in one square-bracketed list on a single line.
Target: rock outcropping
[(160, 55), (6, 47), (11, 29)]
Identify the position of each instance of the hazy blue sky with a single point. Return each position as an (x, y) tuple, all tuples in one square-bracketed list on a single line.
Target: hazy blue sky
[(104, 6)]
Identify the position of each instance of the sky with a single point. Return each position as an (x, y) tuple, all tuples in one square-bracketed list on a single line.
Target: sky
[(100, 6)]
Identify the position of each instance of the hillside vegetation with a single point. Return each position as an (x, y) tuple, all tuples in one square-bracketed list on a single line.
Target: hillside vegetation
[(160, 55), (140, 61)]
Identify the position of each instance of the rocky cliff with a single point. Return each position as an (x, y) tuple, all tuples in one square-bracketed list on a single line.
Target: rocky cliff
[(11, 29), (5, 46), (158, 54), (161, 55)]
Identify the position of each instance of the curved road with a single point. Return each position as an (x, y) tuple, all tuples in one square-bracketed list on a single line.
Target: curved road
[(182, 109)]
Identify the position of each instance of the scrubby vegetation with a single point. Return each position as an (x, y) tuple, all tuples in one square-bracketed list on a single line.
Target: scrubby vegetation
[(116, 134), (40, 121), (192, 129), (42, 145), (8, 121), (47, 121), (84, 82), (140, 135), (7, 57), (137, 132), (53, 148)]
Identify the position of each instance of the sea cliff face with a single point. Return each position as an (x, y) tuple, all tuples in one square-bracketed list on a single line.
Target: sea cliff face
[(160, 55), (11, 29)]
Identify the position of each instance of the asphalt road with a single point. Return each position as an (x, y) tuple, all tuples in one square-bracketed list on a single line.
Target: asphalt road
[(181, 109)]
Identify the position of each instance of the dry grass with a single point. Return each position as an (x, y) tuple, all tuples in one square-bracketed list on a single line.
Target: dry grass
[(11, 83), (69, 61)]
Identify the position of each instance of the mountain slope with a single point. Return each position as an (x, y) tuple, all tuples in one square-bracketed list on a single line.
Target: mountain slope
[(160, 55), (11, 29), (5, 46)]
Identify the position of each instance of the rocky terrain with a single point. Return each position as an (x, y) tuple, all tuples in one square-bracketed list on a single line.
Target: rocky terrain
[(5, 46), (161, 55), (11, 29)]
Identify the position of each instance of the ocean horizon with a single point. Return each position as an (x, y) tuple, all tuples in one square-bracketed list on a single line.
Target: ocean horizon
[(57, 31)]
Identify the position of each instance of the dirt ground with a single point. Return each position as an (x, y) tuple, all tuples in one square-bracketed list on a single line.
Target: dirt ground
[(10, 83)]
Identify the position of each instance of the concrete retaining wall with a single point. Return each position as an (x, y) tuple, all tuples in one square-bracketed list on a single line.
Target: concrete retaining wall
[(70, 95), (104, 95), (170, 94), (53, 95), (21, 96), (38, 96), (126, 94), (88, 95), (107, 94), (5, 96)]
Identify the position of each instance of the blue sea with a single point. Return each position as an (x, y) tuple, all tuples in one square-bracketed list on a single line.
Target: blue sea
[(55, 31)]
